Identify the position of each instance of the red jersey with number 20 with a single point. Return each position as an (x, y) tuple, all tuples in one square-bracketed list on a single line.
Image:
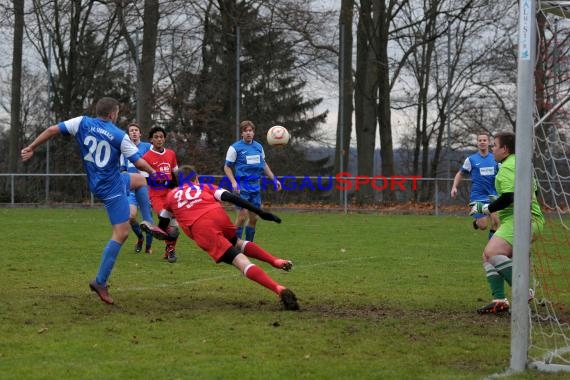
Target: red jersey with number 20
[(189, 203)]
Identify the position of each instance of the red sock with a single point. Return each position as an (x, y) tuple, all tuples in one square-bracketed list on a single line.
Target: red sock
[(257, 274), (171, 243), (253, 250)]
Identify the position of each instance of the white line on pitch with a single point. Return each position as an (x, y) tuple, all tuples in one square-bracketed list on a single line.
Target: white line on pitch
[(199, 280)]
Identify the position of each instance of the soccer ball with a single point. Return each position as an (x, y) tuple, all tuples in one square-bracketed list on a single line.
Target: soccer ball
[(278, 135)]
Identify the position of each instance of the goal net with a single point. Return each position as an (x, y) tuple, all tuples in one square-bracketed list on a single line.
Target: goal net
[(549, 311)]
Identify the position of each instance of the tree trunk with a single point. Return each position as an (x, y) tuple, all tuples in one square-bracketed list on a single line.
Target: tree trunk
[(229, 30), (68, 93), (146, 68), (344, 124), (16, 105), (366, 90), (384, 114)]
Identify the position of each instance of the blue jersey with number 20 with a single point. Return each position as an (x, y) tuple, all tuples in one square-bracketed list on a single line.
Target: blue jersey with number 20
[(101, 144)]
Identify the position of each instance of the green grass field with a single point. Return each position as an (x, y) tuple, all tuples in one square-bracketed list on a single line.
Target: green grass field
[(382, 297)]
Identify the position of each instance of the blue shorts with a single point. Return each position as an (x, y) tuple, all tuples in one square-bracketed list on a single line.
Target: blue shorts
[(252, 197), (118, 209)]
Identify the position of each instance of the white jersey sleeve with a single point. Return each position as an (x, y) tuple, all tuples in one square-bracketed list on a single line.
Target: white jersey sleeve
[(467, 166), (129, 149), (71, 126), (231, 155), (165, 214), (218, 194), (124, 163)]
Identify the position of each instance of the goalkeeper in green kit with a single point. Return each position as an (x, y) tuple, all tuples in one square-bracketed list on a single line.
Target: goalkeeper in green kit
[(499, 250)]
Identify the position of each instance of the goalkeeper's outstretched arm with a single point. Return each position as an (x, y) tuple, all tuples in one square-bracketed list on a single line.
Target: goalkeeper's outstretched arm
[(504, 201), (226, 196)]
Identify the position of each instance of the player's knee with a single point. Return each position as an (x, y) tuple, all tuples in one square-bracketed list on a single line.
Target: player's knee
[(482, 224), (121, 234), (173, 232), (137, 181), (488, 254), (229, 256), (241, 218), (252, 220)]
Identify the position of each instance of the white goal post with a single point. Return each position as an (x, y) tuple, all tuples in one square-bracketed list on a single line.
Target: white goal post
[(520, 323), (540, 333)]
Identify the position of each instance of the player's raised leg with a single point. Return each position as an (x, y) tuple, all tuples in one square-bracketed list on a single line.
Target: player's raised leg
[(139, 186), (255, 273), (251, 249)]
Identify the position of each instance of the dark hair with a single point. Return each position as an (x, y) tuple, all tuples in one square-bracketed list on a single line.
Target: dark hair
[(188, 170), (105, 106), (506, 139), (153, 130), (246, 123), (133, 125)]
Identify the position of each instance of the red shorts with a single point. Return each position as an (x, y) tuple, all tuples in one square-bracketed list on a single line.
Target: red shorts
[(212, 232), (157, 201)]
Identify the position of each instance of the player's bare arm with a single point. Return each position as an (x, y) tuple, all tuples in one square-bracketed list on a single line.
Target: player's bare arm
[(271, 176), (456, 181), (47, 134), (230, 174), (141, 164)]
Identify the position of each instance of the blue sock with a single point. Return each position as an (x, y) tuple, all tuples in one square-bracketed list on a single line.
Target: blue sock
[(144, 204), (148, 240), (491, 233), (107, 261), (249, 233), (137, 230), (239, 232)]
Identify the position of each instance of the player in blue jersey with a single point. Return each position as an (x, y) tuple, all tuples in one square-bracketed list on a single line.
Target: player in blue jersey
[(244, 166), (482, 168), (134, 132), (101, 143)]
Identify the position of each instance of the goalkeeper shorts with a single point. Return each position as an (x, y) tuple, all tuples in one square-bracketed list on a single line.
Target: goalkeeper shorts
[(507, 231)]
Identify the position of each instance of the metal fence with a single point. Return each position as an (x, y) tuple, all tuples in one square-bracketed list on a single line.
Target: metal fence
[(396, 194), (27, 188)]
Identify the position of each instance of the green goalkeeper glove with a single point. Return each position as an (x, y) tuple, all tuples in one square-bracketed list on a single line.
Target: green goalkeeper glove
[(479, 208)]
